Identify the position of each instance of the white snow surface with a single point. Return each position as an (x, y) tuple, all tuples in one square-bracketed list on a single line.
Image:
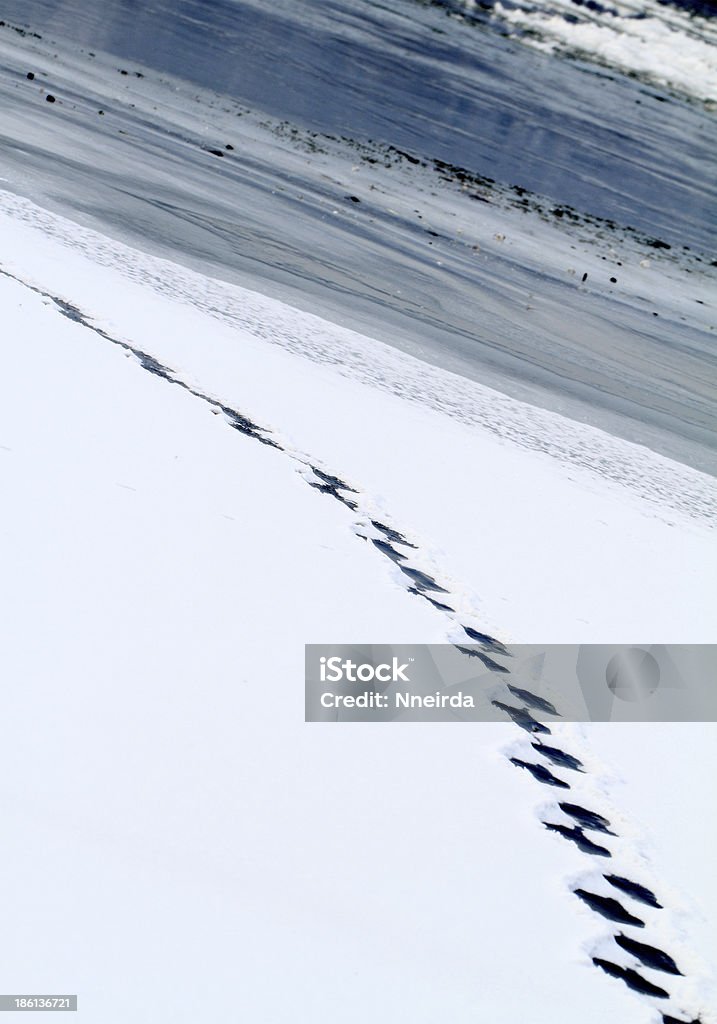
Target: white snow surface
[(178, 845), (667, 46), (529, 519), (661, 776)]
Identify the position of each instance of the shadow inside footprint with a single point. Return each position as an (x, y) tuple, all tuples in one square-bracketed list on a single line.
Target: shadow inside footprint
[(487, 641), (472, 652), (649, 955), (386, 549), (421, 579), (393, 535), (326, 488), (540, 772), (426, 597), (522, 718), (246, 426), (638, 892), (148, 362), (533, 700), (558, 756), (609, 908), (631, 978), (577, 836), (333, 481), (71, 312), (588, 819)]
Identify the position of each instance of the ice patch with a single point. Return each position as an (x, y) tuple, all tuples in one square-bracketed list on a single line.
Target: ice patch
[(666, 46)]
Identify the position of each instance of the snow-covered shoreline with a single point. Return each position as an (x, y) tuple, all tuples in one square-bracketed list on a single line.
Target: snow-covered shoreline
[(479, 278), (657, 42), (451, 452)]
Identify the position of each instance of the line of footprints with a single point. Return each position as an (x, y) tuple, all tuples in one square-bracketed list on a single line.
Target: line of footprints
[(388, 542), (633, 894)]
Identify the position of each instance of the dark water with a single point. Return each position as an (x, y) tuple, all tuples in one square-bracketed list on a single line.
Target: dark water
[(400, 73)]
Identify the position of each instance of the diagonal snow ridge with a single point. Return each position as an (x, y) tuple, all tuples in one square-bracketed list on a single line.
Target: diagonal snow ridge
[(666, 485), (614, 894)]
